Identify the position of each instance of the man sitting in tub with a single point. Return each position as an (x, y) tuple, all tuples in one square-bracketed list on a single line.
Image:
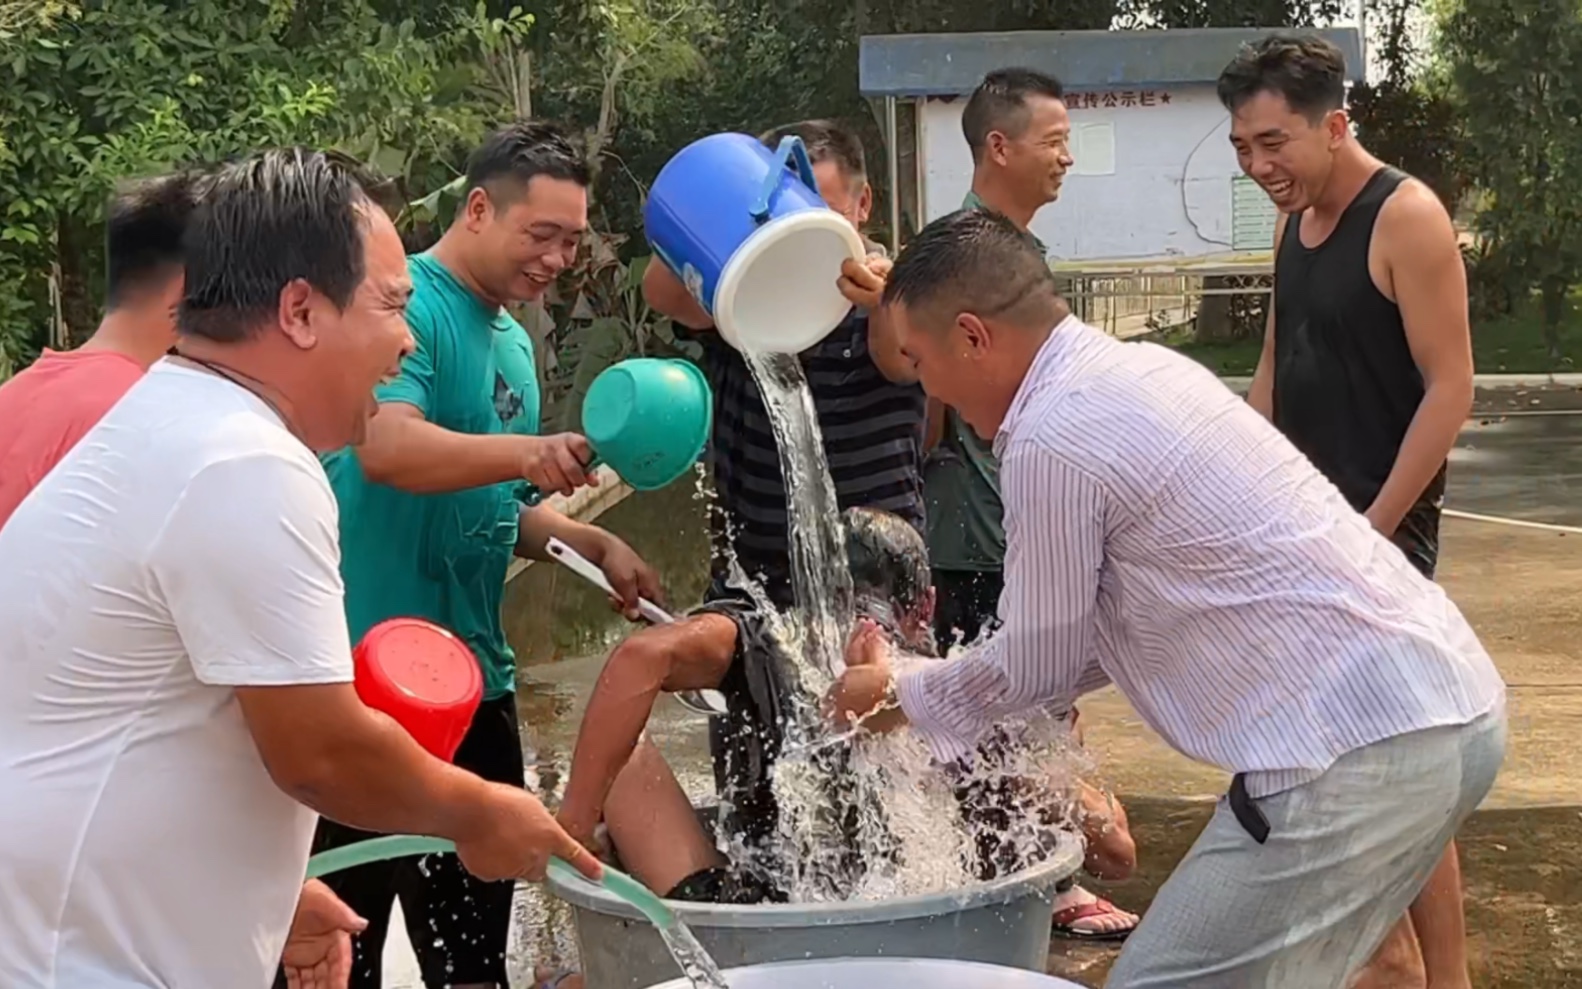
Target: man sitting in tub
[(728, 645)]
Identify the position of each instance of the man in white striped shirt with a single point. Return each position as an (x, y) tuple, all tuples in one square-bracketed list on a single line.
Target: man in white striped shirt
[(1163, 536)]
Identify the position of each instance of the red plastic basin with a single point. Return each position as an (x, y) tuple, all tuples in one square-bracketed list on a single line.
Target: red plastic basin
[(424, 677)]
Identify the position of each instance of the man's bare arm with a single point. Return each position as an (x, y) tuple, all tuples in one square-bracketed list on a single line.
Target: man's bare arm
[(540, 523), (404, 450), (692, 654), (1428, 280), (325, 748), (1261, 394), (664, 292)]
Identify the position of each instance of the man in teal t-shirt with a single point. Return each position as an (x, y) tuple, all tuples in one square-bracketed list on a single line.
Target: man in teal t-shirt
[(460, 542), (441, 497)]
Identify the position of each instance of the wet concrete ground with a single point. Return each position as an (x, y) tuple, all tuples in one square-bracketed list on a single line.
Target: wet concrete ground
[(1521, 588)]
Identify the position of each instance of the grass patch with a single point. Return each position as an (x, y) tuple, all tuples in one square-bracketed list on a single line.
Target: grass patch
[(1510, 344), (1237, 359), (1514, 343)]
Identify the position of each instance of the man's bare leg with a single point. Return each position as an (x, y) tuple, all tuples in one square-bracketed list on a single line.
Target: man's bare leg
[(1428, 948), (1111, 854), (1440, 920), (1397, 963), (652, 824)]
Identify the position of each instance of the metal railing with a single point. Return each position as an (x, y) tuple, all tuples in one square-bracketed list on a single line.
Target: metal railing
[(1129, 302)]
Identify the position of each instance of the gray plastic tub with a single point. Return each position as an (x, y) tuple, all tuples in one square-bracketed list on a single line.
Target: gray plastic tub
[(1004, 922), (883, 973)]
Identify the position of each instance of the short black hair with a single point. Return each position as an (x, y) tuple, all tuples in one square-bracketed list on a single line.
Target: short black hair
[(888, 558), (1308, 71), (825, 140), (980, 262), (1000, 104), (145, 226), (265, 221), (511, 157)]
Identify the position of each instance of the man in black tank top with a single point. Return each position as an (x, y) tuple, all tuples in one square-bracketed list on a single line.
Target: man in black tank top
[(1367, 358)]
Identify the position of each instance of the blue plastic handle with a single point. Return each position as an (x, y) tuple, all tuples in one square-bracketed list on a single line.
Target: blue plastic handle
[(791, 147)]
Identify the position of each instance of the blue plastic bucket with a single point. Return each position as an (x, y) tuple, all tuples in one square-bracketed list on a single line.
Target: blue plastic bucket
[(752, 240)]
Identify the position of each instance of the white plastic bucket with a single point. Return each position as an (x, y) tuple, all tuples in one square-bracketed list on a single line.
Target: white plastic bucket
[(883, 973)]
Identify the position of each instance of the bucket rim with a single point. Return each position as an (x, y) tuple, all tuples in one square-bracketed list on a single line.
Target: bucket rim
[(950, 965), (1040, 879), (817, 218)]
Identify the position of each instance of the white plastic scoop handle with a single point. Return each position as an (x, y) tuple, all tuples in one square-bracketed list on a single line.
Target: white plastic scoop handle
[(710, 702)]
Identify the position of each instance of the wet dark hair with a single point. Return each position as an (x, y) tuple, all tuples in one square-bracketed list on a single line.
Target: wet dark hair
[(825, 141), (888, 558), (514, 155), (145, 226), (1000, 104), (1308, 71), (979, 262), (265, 221)]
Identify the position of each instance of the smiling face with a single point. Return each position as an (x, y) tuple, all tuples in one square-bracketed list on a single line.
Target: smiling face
[(525, 236), (346, 351), (1035, 160), (1288, 154)]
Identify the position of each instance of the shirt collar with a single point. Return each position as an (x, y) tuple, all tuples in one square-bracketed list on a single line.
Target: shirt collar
[(1039, 374), (973, 202)]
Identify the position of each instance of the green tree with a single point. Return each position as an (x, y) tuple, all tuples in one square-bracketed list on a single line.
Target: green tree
[(1401, 117), (135, 87), (1516, 67)]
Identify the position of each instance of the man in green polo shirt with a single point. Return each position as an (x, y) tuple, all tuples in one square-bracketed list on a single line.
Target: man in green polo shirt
[(1019, 132), (436, 503)]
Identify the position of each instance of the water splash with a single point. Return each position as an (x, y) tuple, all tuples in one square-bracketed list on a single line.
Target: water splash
[(695, 962)]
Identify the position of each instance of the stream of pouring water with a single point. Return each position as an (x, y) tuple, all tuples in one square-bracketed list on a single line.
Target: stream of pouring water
[(820, 577), (695, 962), (858, 817)]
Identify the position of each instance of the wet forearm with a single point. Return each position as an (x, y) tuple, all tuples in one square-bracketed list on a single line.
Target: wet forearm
[(415, 455), (1424, 449), (540, 523), (377, 778)]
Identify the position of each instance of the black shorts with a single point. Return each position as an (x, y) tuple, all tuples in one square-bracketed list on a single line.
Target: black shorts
[(458, 925), (724, 885), (966, 605)]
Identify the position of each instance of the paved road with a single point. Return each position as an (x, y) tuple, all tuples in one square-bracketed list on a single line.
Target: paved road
[(1524, 466)]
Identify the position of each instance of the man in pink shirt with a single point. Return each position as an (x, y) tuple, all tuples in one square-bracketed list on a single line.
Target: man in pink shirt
[(48, 407)]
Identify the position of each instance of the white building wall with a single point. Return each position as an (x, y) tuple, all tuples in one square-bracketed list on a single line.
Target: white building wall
[(1153, 178)]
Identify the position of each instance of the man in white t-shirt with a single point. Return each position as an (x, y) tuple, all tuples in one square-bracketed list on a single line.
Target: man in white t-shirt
[(175, 677)]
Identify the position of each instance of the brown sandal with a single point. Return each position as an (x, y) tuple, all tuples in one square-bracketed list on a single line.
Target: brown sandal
[(1061, 923)]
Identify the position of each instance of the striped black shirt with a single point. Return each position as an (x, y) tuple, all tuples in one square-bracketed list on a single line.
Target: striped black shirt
[(873, 438)]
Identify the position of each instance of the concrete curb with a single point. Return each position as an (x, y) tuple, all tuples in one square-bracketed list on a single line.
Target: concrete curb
[(1568, 380)]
